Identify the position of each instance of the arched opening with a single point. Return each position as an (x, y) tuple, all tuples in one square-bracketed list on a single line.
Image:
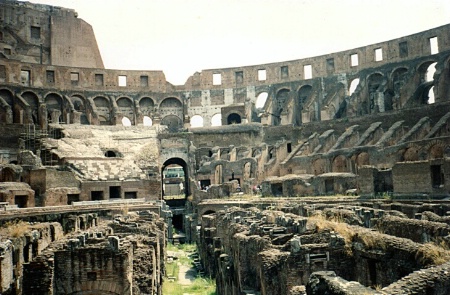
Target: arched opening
[(7, 115), (216, 120), (233, 119), (80, 106), (340, 164), (411, 154), (146, 106), (436, 151), (172, 122), (196, 121), (319, 166), (374, 83), (33, 101), (362, 159), (261, 100), (7, 175), (125, 106), (429, 74), (175, 182), (126, 122), (281, 99), (110, 154), (302, 97), (147, 121), (353, 85), (54, 108), (103, 110)]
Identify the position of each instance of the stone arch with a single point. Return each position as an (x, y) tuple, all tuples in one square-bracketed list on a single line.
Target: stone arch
[(173, 122), (256, 152), (424, 94), (79, 102), (353, 85), (146, 105), (54, 104), (261, 100), (126, 121), (7, 115), (436, 151), (216, 120), (147, 121), (176, 161), (303, 94), (103, 107), (126, 108), (80, 106), (170, 109), (339, 164), (426, 71), (398, 79), (374, 83), (110, 154), (32, 100), (196, 121), (171, 102), (234, 118), (411, 154), (8, 174), (279, 106), (319, 166), (362, 159)]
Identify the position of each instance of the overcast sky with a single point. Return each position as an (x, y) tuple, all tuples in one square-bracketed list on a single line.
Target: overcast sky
[(181, 37)]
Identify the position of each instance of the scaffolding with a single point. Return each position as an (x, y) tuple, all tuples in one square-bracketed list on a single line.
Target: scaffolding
[(33, 139)]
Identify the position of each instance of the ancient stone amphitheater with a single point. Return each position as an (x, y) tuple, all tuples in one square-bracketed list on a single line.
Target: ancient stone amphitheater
[(323, 175)]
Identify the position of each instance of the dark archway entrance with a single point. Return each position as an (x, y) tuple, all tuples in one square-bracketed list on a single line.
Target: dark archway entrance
[(175, 182), (233, 119)]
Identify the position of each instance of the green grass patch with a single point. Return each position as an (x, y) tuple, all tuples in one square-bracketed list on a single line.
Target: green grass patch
[(200, 286)]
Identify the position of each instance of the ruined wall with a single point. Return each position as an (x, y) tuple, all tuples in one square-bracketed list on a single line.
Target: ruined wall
[(46, 34), (417, 45), (87, 268), (291, 249), (79, 253)]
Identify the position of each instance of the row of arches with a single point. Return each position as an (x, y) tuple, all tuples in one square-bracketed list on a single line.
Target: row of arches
[(343, 164), (379, 91), (30, 108)]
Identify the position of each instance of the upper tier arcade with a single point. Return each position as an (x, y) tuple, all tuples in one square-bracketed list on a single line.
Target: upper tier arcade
[(43, 81)]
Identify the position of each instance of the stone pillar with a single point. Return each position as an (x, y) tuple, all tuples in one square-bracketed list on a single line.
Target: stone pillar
[(114, 243), (367, 222)]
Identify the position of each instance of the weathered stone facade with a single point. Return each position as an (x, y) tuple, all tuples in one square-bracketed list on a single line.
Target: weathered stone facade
[(282, 249), (79, 253), (86, 142)]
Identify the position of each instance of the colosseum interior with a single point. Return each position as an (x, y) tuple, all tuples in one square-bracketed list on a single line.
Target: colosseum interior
[(323, 175)]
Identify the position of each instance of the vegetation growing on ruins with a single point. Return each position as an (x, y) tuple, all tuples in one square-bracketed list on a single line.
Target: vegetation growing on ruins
[(199, 286), (15, 229), (428, 254), (432, 254)]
